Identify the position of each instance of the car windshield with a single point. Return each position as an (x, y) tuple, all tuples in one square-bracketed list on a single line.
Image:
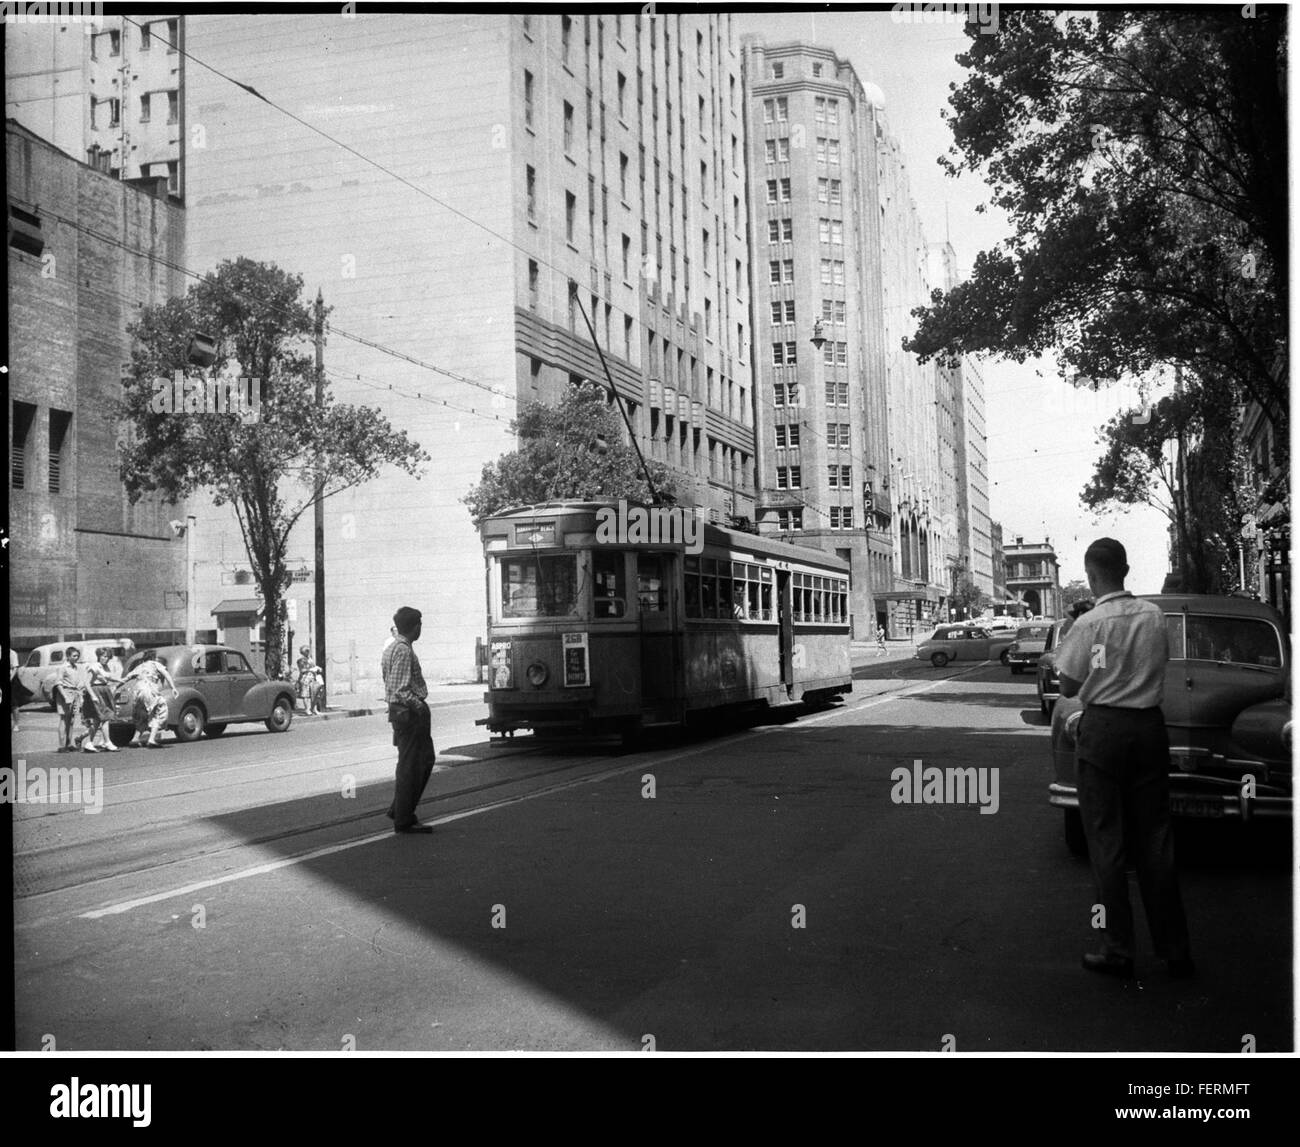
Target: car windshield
[(1235, 640), (1032, 632)]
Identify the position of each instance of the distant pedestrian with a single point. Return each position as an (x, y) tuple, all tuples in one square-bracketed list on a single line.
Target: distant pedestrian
[(308, 682), (68, 684), (408, 712), (19, 694), (880, 640), (1114, 659), (150, 712)]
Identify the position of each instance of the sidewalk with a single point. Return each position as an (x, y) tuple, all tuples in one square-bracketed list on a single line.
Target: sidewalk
[(363, 704)]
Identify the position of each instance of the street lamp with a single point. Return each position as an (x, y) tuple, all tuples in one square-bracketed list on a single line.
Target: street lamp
[(819, 335)]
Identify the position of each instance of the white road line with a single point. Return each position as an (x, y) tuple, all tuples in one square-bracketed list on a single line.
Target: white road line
[(272, 866)]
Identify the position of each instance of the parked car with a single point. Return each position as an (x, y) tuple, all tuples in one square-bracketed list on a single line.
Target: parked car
[(216, 686), (1031, 640), (963, 643), (1049, 683), (40, 666), (1227, 707)]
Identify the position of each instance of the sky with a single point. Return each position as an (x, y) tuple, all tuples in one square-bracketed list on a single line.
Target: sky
[(1042, 432)]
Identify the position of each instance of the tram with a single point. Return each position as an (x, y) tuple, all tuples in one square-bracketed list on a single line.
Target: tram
[(605, 617)]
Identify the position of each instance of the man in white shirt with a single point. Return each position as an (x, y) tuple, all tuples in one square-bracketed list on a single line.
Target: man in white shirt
[(1114, 659)]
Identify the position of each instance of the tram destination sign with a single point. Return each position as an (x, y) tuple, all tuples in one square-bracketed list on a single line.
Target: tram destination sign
[(535, 534)]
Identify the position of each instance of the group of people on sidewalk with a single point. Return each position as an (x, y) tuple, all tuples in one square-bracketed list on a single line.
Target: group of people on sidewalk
[(84, 697)]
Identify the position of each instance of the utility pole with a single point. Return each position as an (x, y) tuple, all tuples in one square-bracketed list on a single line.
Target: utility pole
[(319, 508)]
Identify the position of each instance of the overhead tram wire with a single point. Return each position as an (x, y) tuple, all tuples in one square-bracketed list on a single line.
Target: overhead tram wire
[(182, 269), (252, 91)]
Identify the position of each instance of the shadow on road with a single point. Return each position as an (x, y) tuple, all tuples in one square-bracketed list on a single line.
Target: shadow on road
[(673, 915)]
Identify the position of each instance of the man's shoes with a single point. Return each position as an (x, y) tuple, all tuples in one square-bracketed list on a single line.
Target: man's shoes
[(412, 829), (1106, 965), (1181, 969)]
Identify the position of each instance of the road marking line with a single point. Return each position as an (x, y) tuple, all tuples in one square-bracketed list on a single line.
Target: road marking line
[(272, 866)]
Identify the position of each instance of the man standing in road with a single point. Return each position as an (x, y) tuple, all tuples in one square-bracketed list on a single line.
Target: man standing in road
[(408, 712), (1114, 659)]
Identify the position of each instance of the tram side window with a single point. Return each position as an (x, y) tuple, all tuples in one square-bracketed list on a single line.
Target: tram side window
[(539, 586), (652, 584), (609, 577), (692, 587)]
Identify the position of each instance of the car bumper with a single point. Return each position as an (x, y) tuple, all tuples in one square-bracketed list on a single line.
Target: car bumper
[(1022, 659), (1200, 802)]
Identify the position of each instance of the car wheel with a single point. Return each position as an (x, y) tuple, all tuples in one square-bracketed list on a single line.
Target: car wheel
[(189, 725), (281, 715), (121, 735), (1005, 658), (1075, 841), (215, 730), (938, 660)]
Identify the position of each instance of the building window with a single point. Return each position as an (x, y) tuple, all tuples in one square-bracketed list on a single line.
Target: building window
[(841, 517), (773, 230), (173, 107), (841, 354), (528, 98), (823, 190), (568, 124), (785, 190), (787, 270), (771, 190), (24, 416), (774, 271), (566, 39), (835, 191), (174, 176), (627, 259), (778, 71), (144, 108), (788, 478), (173, 34), (622, 176), (622, 96), (528, 26), (787, 520), (776, 312), (570, 215), (769, 110), (704, 180), (833, 150), (627, 337), (703, 116), (60, 420), (530, 177), (573, 305), (839, 477), (708, 318), (708, 250), (146, 38), (833, 310), (837, 394), (833, 111), (782, 109), (770, 150), (817, 69)]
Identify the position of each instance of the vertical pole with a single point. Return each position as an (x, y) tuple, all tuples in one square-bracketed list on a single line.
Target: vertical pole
[(319, 508), (191, 603)]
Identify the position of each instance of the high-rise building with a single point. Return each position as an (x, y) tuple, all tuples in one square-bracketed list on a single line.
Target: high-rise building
[(822, 394), (530, 168), (107, 91)]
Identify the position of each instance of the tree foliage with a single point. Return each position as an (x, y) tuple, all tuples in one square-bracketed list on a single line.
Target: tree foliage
[(1141, 156), (1181, 457), (265, 467), (571, 451)]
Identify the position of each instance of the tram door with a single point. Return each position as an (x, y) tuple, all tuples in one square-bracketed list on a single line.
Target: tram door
[(785, 625), (660, 636)]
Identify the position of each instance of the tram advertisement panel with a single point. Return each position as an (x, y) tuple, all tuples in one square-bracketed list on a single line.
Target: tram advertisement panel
[(575, 660), (503, 670)]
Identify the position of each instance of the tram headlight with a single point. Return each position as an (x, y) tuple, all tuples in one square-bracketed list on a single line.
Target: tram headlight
[(537, 673)]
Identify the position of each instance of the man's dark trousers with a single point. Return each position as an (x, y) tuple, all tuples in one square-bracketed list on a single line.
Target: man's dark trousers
[(1123, 762), (414, 740)]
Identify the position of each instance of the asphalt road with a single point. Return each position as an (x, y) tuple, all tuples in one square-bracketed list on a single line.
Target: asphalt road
[(743, 888)]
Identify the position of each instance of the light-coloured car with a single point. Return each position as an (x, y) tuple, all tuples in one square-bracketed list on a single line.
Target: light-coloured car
[(216, 687), (963, 643), (43, 663), (1028, 646), (1227, 708)]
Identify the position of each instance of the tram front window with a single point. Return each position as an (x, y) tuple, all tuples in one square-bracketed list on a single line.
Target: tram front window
[(539, 586), (609, 577)]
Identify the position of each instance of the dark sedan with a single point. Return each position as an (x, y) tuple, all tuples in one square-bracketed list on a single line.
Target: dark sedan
[(1028, 647), (1049, 684), (216, 687), (1227, 707)]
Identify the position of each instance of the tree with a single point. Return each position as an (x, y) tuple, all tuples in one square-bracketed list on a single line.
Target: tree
[(1181, 457), (1141, 155), (573, 450), (1074, 591), (263, 462)]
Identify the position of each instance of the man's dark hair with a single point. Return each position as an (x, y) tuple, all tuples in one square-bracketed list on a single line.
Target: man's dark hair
[(406, 619), (1108, 556)]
